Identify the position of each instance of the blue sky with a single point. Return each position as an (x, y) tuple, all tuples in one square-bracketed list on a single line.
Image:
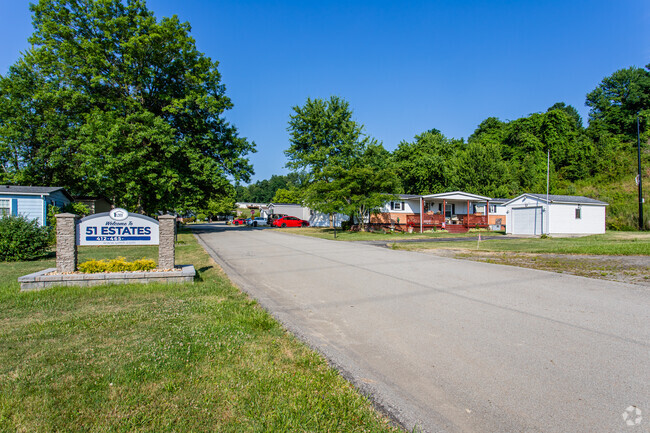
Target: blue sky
[(404, 67)]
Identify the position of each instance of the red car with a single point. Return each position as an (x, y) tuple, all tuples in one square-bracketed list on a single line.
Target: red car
[(239, 221), (289, 221)]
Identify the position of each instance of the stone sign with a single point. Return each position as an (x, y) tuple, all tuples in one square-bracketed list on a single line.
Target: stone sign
[(102, 229), (117, 227)]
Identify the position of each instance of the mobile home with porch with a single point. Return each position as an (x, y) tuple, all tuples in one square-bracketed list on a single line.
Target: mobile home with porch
[(455, 211)]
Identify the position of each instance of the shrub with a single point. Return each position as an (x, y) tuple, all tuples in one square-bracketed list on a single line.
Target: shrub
[(116, 265), (92, 266), (77, 209), (74, 208), (22, 239), (144, 265), (201, 217)]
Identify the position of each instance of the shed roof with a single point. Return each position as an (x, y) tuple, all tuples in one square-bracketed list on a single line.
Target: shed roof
[(577, 199)]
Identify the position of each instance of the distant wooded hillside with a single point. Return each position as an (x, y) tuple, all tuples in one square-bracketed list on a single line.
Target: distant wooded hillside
[(504, 159)]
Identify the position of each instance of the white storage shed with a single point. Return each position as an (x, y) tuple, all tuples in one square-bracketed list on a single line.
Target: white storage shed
[(532, 214)]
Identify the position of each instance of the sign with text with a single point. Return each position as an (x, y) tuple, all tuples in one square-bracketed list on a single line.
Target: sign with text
[(117, 227)]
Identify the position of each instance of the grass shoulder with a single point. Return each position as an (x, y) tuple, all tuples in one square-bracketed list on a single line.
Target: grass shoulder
[(327, 233), (610, 243), (192, 357)]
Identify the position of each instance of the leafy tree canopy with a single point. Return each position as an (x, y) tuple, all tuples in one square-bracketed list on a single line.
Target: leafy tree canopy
[(110, 101), (366, 184), (480, 169), (570, 110), (263, 191), (490, 130), (287, 196), (425, 165), (618, 99), (338, 157), (323, 134)]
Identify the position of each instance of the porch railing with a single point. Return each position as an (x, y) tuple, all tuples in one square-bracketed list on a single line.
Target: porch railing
[(428, 220), (474, 220), (431, 220)]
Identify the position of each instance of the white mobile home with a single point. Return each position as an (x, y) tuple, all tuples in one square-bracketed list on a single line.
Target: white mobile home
[(396, 211), (289, 209), (532, 214), (497, 213)]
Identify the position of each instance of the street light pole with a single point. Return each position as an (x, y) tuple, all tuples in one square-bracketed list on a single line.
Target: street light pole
[(640, 177)]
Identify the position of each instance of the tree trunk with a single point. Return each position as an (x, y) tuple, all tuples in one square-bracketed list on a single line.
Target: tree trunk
[(362, 222), (331, 220)]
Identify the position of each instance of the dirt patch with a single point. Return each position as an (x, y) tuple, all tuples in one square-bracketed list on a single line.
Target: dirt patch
[(626, 269)]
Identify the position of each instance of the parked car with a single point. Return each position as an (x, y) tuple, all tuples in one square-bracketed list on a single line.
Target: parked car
[(259, 221), (239, 221), (290, 221), (275, 216)]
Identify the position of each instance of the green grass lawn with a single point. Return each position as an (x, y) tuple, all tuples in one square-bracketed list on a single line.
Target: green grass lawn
[(151, 358), (326, 233), (610, 243)]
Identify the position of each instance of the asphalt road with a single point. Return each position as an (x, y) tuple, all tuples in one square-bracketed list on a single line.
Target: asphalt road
[(447, 345)]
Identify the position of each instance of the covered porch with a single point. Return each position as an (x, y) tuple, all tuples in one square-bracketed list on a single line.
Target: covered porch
[(456, 212)]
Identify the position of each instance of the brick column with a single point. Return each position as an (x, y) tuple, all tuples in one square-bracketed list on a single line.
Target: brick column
[(66, 242), (167, 232)]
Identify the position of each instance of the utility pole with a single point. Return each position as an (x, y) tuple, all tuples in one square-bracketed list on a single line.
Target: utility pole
[(548, 178), (639, 177)]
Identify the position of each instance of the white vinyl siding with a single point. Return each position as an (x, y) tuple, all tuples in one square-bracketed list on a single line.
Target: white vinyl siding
[(563, 219), (556, 218), (407, 206), (318, 219)]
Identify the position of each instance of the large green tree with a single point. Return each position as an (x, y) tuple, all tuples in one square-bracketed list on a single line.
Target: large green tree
[(111, 101), (327, 144), (366, 185), (480, 169), (425, 166), (618, 99)]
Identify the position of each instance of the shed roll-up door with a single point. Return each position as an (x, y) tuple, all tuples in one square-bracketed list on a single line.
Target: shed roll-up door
[(528, 221)]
